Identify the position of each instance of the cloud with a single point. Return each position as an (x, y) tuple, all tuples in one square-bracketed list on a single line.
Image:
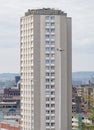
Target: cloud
[(83, 62), (9, 60)]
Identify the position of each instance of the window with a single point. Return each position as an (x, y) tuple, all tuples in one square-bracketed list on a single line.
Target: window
[(52, 24), (52, 105), (47, 36), (47, 117), (47, 74), (47, 86), (52, 61), (47, 42), (52, 36), (52, 55), (52, 117), (47, 61), (52, 48), (52, 86), (52, 99), (47, 111), (52, 93), (47, 124), (47, 24), (47, 99), (47, 67), (47, 80), (47, 105), (53, 74), (52, 17), (47, 17), (47, 48), (47, 55), (52, 111), (52, 80), (52, 67), (52, 42), (52, 124), (47, 30), (47, 92), (52, 30)]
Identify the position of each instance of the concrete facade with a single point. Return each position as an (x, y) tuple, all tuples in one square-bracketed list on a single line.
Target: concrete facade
[(46, 81)]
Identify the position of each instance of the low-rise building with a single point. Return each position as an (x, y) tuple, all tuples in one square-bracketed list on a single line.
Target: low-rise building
[(9, 92), (8, 105), (74, 107), (10, 121), (10, 125), (75, 122)]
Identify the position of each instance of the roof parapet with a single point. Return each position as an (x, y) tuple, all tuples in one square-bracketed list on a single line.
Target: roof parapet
[(45, 11)]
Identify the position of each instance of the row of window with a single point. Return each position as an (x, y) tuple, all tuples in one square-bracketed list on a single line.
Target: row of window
[(50, 99), (27, 50), (50, 74), (51, 17), (26, 65), (26, 25), (49, 79), (50, 67), (50, 124), (26, 19), (48, 105), (27, 57), (50, 48), (50, 61), (48, 117), (50, 86), (23, 60), (30, 44), (50, 30), (50, 24), (50, 92), (50, 111), (47, 42), (26, 36), (29, 30), (51, 36), (48, 55), (50, 129)]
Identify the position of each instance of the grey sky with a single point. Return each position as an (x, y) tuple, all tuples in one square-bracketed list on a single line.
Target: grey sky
[(82, 13)]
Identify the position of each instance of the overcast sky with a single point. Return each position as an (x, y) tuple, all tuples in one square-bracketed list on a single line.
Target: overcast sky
[(82, 13)]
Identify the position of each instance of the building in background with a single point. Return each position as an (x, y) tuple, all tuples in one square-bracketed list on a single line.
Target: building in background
[(17, 79), (45, 68), (10, 92), (75, 122), (87, 95), (10, 98), (9, 125)]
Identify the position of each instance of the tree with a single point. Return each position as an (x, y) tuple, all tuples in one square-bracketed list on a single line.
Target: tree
[(90, 110), (83, 126)]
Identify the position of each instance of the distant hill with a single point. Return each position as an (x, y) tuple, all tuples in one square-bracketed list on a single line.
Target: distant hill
[(7, 76), (82, 77), (77, 77)]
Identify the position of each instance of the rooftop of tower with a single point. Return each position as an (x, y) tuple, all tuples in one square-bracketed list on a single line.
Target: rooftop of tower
[(45, 11)]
